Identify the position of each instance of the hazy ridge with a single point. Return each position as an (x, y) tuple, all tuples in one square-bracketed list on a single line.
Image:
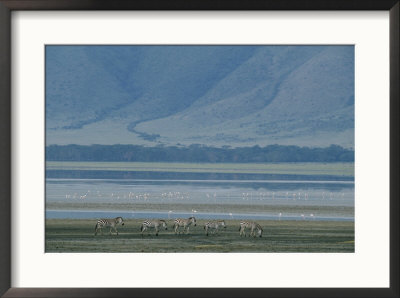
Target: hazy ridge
[(211, 95)]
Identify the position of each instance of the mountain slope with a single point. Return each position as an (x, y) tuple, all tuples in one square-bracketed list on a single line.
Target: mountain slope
[(213, 95)]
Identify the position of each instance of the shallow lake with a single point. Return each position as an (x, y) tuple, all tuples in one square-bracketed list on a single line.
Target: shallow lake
[(94, 198), (82, 214)]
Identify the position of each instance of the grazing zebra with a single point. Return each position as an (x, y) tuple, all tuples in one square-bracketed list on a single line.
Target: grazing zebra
[(153, 224), (253, 226), (214, 224), (112, 222), (185, 223)]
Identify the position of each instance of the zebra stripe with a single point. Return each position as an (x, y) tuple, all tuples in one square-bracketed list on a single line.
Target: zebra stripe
[(214, 224), (185, 223), (147, 224), (108, 222), (253, 226)]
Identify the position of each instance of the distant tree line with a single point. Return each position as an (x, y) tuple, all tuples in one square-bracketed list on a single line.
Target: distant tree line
[(198, 153)]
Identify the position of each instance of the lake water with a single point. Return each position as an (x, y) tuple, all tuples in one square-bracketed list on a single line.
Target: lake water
[(94, 214), (94, 198)]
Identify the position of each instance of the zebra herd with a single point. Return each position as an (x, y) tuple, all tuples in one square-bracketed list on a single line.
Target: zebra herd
[(213, 226)]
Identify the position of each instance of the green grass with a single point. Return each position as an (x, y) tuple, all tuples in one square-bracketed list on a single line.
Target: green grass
[(67, 235), (334, 169)]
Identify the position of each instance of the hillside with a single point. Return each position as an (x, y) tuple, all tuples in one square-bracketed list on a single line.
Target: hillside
[(211, 95)]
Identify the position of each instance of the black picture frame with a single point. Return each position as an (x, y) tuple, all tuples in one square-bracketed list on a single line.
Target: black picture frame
[(6, 7)]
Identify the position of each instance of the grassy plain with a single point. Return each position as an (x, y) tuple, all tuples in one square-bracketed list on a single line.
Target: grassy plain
[(334, 169), (68, 235)]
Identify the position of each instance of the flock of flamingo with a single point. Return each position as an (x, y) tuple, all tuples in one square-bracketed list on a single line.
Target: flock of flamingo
[(183, 196), (177, 196)]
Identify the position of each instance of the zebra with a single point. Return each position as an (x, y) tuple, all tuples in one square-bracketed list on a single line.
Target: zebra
[(214, 224), (112, 222), (253, 226), (153, 224), (185, 223)]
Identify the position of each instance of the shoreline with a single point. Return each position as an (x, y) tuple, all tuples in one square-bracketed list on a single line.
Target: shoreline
[(143, 214)]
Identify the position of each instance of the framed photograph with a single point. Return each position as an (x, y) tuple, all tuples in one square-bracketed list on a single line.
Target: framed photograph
[(194, 148)]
